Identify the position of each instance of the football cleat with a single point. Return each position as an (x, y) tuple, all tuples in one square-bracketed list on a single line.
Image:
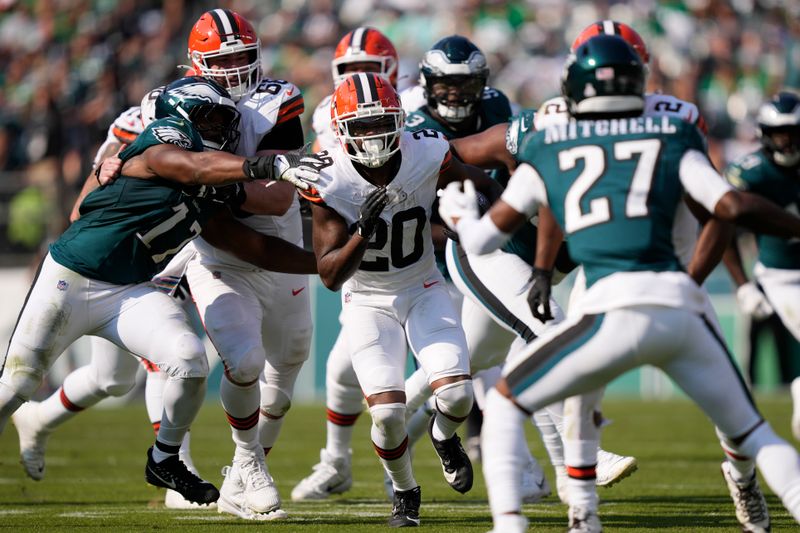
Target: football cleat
[(796, 411), (613, 468), (32, 439), (751, 507), (173, 500), (510, 523), (405, 510), (172, 474), (260, 493), (583, 520), (332, 475), (534, 485), (456, 465), (232, 498)]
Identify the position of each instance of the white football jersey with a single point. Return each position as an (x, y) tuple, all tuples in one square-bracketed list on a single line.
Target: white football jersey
[(411, 99), (125, 128), (686, 227), (400, 252), (274, 102)]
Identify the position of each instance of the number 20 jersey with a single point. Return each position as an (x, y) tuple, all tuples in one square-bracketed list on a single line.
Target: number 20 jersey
[(400, 252)]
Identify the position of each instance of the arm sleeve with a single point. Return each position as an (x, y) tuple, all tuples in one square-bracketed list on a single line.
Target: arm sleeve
[(480, 235), (284, 136), (525, 191), (701, 181)]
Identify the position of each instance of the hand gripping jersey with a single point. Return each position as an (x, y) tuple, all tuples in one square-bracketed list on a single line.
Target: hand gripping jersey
[(614, 187), (125, 128), (554, 112), (400, 252), (756, 173), (274, 102), (130, 229), (321, 119)]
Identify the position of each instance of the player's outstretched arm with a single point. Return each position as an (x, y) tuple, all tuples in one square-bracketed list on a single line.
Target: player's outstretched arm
[(749, 297), (711, 244), (264, 251), (486, 149), (268, 198)]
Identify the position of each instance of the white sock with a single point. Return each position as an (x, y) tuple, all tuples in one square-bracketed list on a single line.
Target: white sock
[(268, 430), (391, 444), (182, 400), (241, 405), (339, 439), (417, 391), (551, 438), (9, 402), (504, 453), (417, 425), (78, 392), (154, 394)]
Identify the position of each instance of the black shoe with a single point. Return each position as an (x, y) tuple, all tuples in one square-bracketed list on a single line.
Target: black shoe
[(456, 465), (172, 474), (405, 511)]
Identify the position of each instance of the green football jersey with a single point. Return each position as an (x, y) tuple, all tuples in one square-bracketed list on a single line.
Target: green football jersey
[(494, 109), (130, 229), (756, 173), (614, 186)]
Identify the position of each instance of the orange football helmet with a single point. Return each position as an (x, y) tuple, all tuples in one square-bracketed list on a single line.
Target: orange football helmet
[(365, 44), (367, 118), (222, 32), (611, 27)]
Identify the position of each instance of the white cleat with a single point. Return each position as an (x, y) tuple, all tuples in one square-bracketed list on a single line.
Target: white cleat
[(232, 498), (534, 485), (583, 520), (796, 412), (32, 439), (613, 468), (510, 523), (751, 507), (332, 475), (562, 483)]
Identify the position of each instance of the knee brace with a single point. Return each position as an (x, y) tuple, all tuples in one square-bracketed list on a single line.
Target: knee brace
[(454, 400), (388, 424), (275, 403), (188, 358)]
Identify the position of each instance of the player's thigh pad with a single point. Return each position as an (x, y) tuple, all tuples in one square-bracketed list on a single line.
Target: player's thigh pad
[(55, 314), (579, 355), (782, 288), (153, 326), (435, 334), (499, 282), (377, 343), (342, 392), (703, 367), (286, 327), (232, 313), (114, 370)]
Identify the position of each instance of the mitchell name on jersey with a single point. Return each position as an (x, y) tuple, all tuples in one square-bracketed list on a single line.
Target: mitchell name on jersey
[(400, 252)]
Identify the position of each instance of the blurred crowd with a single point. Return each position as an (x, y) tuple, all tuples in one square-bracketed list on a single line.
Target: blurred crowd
[(68, 67)]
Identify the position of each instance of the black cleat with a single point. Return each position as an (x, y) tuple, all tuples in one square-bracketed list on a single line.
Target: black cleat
[(172, 474), (405, 510), (456, 465)]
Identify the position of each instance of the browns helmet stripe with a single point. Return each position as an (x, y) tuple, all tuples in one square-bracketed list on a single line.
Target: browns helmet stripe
[(373, 89), (360, 84), (357, 39), (610, 27), (223, 19)]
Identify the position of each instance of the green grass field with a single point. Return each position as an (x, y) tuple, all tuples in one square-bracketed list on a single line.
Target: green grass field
[(95, 477)]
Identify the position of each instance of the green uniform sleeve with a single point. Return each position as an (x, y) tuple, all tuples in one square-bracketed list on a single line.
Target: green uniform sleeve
[(175, 131), (520, 124)]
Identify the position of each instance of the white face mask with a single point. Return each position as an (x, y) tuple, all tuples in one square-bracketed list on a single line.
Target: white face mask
[(375, 153)]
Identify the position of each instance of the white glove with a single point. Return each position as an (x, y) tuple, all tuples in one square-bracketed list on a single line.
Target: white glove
[(300, 169), (455, 204), (753, 302)]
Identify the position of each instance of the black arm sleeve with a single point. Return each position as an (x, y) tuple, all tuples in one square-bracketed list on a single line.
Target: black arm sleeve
[(285, 136)]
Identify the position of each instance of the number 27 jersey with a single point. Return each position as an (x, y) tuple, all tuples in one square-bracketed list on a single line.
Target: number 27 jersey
[(400, 252)]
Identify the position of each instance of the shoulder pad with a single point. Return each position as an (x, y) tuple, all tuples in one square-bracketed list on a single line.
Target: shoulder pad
[(412, 98), (271, 94), (551, 112), (128, 125)]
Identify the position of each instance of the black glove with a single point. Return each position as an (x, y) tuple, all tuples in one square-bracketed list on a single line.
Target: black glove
[(259, 168), (539, 294), (371, 210)]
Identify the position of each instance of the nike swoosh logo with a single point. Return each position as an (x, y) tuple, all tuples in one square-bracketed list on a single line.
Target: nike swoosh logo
[(170, 483), (429, 285), (295, 292)]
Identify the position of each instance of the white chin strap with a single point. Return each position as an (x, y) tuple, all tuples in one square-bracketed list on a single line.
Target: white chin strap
[(454, 113)]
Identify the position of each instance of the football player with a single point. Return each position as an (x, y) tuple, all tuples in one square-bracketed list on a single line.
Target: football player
[(372, 241), (773, 172), (95, 278), (639, 293)]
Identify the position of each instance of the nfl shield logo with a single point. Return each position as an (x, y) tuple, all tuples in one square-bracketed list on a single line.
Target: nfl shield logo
[(347, 297), (62, 285)]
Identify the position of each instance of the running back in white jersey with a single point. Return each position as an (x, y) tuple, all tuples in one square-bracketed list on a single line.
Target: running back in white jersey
[(411, 99), (686, 227), (273, 103), (400, 252)]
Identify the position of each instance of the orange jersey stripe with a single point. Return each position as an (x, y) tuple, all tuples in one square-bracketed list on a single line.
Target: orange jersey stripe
[(448, 159), (290, 116)]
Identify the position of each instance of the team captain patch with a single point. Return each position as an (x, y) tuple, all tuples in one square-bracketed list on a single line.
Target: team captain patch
[(170, 135)]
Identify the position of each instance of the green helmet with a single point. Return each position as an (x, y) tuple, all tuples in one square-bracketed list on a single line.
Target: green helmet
[(779, 128), (205, 104), (604, 76)]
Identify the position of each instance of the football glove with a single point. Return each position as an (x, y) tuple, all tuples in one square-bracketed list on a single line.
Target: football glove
[(371, 210), (539, 294), (753, 302), (298, 169), (455, 204)]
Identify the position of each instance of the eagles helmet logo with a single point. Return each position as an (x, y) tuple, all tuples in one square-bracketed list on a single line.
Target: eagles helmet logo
[(170, 135)]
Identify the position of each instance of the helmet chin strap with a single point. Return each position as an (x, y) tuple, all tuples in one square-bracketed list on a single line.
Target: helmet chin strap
[(372, 149)]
